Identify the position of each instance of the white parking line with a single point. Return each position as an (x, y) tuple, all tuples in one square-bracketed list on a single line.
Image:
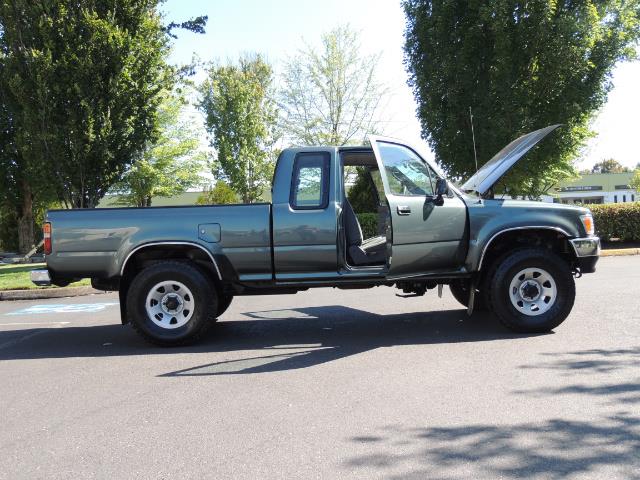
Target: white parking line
[(33, 323)]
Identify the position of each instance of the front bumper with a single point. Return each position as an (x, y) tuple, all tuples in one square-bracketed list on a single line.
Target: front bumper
[(586, 247), (41, 278), (587, 252)]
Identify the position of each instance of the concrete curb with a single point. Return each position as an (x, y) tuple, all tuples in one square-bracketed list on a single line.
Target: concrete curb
[(37, 294), (616, 252)]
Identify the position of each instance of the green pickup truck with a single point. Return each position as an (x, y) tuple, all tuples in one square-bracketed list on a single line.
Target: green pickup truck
[(177, 269)]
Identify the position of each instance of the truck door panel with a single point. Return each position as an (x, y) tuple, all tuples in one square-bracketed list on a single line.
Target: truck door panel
[(304, 217), (425, 236)]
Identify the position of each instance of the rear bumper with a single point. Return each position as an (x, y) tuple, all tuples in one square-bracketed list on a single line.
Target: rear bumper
[(587, 252), (41, 278)]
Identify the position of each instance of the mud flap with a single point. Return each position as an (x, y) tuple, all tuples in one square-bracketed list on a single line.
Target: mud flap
[(122, 295), (472, 296)]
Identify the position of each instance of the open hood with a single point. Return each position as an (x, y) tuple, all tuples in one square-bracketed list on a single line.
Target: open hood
[(492, 171)]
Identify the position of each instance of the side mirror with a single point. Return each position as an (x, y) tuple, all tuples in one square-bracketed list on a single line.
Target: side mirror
[(441, 189)]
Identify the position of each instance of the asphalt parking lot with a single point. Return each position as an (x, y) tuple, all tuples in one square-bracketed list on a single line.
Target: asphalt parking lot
[(326, 384)]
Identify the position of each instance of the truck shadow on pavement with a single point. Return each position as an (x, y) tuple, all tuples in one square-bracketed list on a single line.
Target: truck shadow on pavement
[(548, 448), (274, 341), (304, 337)]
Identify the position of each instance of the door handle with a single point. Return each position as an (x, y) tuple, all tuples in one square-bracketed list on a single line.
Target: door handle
[(404, 210)]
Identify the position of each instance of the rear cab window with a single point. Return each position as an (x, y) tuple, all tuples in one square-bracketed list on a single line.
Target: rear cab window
[(310, 181)]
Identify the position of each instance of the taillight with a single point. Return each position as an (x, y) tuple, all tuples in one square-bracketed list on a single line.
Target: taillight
[(46, 228)]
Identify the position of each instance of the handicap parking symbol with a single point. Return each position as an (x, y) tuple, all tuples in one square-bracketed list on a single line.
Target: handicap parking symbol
[(63, 308)]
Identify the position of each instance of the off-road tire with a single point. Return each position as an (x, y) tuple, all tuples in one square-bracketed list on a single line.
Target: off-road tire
[(205, 298), (504, 270)]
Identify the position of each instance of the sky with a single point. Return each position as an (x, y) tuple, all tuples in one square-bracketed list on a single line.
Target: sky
[(276, 29)]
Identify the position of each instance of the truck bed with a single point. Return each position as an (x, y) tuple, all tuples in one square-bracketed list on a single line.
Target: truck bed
[(96, 242)]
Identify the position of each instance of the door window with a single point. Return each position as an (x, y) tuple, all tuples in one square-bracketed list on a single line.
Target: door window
[(407, 173), (310, 181), (377, 182)]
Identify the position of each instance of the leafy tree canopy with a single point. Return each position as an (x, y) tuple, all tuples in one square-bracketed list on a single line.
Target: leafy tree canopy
[(635, 181), (80, 84), (85, 81), (520, 66), (331, 95), (240, 116), (609, 166), (171, 164), (362, 196)]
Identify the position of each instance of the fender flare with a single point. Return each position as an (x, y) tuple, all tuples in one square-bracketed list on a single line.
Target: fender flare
[(526, 227), (153, 244)]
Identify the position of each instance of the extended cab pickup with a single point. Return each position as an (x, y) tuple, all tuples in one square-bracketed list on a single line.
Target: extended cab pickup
[(178, 268)]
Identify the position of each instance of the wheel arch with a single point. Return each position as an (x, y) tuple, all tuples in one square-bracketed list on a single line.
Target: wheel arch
[(151, 252), (552, 237), (188, 248)]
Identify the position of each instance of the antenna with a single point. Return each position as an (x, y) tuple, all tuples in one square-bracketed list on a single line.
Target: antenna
[(473, 135)]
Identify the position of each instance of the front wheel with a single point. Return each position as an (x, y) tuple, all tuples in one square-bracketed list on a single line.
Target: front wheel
[(531, 290), (171, 303)]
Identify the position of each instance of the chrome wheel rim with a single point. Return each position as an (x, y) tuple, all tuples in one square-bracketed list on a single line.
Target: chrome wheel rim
[(533, 291), (170, 304)]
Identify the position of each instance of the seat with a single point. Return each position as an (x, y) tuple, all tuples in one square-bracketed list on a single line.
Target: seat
[(361, 252)]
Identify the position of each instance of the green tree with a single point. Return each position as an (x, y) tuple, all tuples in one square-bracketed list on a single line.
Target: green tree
[(220, 194), (609, 166), (519, 66), (635, 180), (11, 177), (171, 164), (22, 189), (85, 79), (331, 95), (240, 115), (362, 196), (81, 83)]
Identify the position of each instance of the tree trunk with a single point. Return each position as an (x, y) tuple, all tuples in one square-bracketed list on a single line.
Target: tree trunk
[(26, 234)]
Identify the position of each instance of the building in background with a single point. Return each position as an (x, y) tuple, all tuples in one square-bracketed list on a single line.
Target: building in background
[(594, 188)]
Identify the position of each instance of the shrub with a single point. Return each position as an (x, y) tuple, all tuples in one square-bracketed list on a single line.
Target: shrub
[(369, 224), (361, 195), (618, 220), (220, 194)]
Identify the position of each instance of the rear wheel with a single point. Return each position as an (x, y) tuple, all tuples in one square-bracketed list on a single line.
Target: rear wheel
[(532, 290), (171, 303)]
